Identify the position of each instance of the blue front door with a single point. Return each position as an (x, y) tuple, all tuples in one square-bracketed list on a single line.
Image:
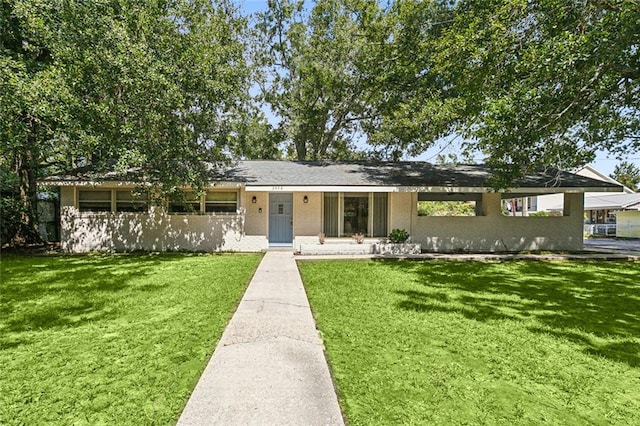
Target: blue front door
[(280, 219)]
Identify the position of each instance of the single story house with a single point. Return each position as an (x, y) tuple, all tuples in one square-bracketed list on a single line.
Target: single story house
[(256, 205)]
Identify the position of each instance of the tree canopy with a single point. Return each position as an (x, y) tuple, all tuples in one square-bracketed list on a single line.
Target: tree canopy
[(311, 78), (546, 82), (345, 73), (170, 88), (627, 174), (152, 86), (526, 84)]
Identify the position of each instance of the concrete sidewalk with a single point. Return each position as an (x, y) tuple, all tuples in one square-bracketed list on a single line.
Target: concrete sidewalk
[(269, 367)]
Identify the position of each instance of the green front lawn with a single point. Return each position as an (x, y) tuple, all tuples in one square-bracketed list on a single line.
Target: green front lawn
[(481, 343), (110, 339)]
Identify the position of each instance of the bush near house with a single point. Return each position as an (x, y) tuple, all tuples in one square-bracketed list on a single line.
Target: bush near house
[(398, 236), (546, 214)]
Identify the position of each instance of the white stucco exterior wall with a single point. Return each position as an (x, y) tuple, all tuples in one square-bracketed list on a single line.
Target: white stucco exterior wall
[(494, 232), (403, 207), (156, 231), (248, 230), (160, 231), (307, 217), (256, 214)]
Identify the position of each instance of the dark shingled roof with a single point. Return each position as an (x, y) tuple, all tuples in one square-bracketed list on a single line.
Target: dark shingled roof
[(414, 173), (405, 173)]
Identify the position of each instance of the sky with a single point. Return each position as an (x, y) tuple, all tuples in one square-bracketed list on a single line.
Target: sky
[(604, 163), (251, 6)]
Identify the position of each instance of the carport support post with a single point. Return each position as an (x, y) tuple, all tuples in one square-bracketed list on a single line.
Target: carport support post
[(491, 204), (574, 213), (574, 204)]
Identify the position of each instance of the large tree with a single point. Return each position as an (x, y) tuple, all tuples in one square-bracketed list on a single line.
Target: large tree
[(34, 101), (544, 82), (311, 81), (344, 72), (528, 84), (151, 86)]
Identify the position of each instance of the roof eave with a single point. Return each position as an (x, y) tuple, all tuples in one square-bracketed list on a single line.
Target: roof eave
[(515, 190)]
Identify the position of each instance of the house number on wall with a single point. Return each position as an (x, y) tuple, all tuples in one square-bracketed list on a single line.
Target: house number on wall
[(277, 188)]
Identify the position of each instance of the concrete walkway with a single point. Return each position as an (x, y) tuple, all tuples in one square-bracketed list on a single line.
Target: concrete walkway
[(269, 367)]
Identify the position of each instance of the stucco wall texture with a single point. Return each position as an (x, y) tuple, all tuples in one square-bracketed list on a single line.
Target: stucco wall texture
[(248, 230)]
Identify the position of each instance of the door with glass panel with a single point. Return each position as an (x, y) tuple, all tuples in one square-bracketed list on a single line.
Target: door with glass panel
[(280, 219)]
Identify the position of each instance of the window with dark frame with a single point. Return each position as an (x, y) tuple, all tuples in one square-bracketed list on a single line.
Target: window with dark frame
[(185, 203), (131, 202), (94, 200), (221, 202), (354, 212)]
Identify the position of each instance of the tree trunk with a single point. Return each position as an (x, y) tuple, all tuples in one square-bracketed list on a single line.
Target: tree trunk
[(301, 149), (26, 168)]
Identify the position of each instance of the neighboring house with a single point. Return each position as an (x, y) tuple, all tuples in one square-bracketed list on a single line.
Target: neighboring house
[(628, 224), (256, 205), (599, 208), (603, 208)]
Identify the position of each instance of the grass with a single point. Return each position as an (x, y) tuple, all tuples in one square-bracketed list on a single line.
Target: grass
[(481, 343), (116, 339)]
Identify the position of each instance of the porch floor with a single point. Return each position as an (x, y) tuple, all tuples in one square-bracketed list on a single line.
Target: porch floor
[(346, 246)]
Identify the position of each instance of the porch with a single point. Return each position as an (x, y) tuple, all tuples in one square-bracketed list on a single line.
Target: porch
[(350, 246)]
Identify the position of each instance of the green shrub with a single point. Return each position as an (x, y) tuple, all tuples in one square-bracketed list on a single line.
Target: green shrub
[(398, 236), (10, 212), (545, 214), (446, 208)]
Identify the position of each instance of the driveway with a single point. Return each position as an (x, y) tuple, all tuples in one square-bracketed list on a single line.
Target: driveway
[(612, 245)]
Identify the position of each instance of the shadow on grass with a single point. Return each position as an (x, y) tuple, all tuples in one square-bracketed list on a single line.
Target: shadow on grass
[(574, 301), (44, 292)]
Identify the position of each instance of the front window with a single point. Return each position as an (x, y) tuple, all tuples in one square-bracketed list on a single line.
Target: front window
[(331, 215), (185, 202), (356, 214), (212, 202), (121, 200), (349, 213)]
